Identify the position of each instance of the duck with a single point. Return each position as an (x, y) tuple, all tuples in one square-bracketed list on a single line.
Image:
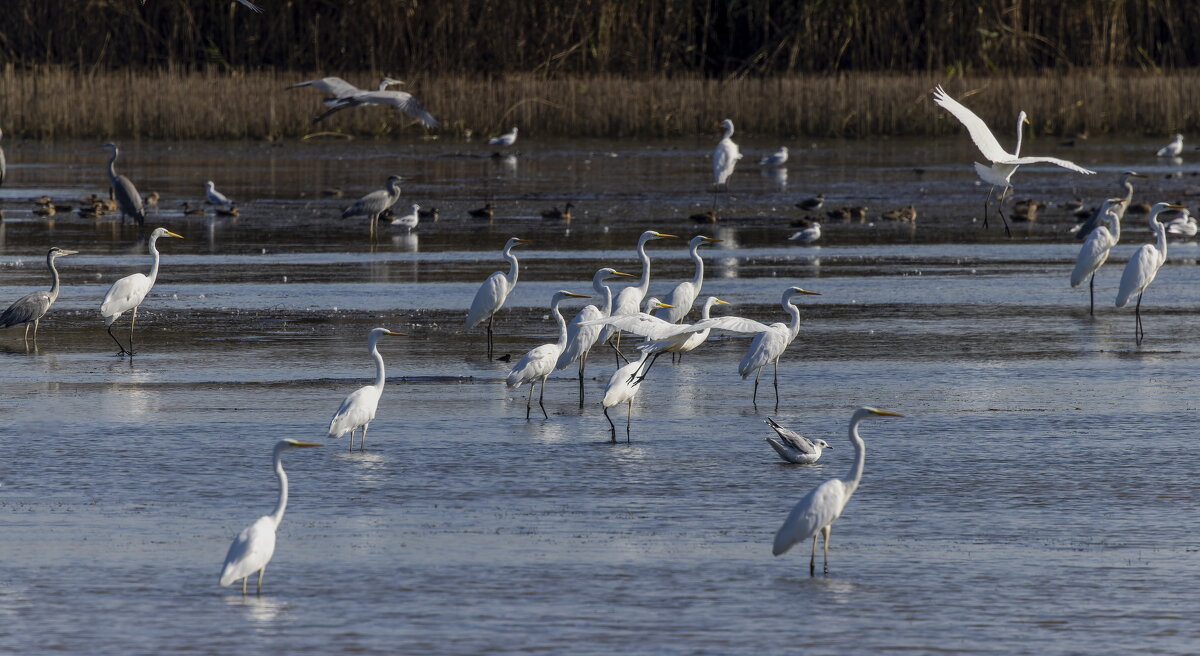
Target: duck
[(486, 212), (152, 199), (1026, 210), (858, 213), (430, 214), (188, 209), (232, 210), (555, 213), (840, 214), (333, 192), (704, 217), (812, 204), (47, 209)]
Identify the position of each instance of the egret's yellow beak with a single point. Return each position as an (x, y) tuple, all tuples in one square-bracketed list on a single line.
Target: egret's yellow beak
[(885, 413), (720, 302), (576, 295), (1177, 207), (305, 444), (666, 236), (171, 234), (623, 275), (805, 291), (394, 333), (663, 305)]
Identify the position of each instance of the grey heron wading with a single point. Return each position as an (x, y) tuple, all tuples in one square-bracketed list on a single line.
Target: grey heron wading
[(128, 199), (32, 307), (374, 203)]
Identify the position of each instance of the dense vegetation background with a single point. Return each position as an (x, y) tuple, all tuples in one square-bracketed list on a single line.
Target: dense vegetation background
[(624, 37)]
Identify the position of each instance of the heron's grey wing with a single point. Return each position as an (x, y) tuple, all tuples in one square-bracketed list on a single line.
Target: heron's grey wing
[(336, 106), (405, 102), (128, 198), (251, 5), (334, 86), (25, 309), (1088, 226)]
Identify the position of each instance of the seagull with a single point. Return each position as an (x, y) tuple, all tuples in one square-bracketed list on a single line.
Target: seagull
[(214, 197), (807, 235), (794, 447), (778, 159), (506, 139), (1004, 164), (1172, 149), (409, 220)]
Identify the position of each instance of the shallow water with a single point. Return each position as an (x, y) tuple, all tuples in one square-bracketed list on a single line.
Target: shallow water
[(1037, 498)]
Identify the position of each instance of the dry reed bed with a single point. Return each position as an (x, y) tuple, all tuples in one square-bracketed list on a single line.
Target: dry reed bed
[(55, 103)]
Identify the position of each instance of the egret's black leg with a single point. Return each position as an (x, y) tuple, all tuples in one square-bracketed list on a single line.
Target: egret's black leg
[(611, 426), (541, 395), (1092, 295)]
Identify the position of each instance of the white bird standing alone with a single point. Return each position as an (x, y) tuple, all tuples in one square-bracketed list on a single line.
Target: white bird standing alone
[(1004, 164), (507, 139), (683, 297), (778, 159), (374, 203), (129, 292), (726, 156), (538, 364), (1172, 149), (807, 235), (253, 547), (794, 447), (1094, 252), (358, 408), (34, 306), (1143, 266), (581, 339), (817, 510), (490, 296)]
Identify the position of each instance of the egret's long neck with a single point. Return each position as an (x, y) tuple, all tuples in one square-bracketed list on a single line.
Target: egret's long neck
[(1020, 132), (1161, 231), (729, 131), (644, 281), (1128, 192), (379, 374), (154, 267), (698, 277), (794, 325), (1116, 229), (512, 267), (860, 458), (706, 311), (54, 276), (606, 292), (562, 324), (277, 516)]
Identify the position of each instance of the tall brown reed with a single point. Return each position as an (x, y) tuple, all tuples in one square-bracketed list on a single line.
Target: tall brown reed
[(58, 103)]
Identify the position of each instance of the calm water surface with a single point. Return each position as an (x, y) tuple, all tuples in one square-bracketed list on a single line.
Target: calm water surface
[(1039, 497)]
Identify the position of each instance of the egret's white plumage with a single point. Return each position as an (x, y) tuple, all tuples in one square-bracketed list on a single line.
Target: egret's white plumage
[(778, 159), (726, 155), (507, 139), (490, 296), (685, 293), (1094, 252), (622, 386), (538, 363), (817, 510), (580, 338), (1172, 149), (252, 548), (358, 408), (794, 447), (807, 235), (410, 220), (629, 300), (214, 197), (1143, 266), (129, 292)]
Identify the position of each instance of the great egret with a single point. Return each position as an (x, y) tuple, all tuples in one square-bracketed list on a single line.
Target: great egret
[(491, 294), (622, 386), (507, 139), (812, 204), (3, 163), (685, 340), (253, 547), (402, 101), (358, 408), (794, 447), (129, 292), (1094, 220), (1143, 266), (807, 235), (726, 156), (539, 363), (410, 220), (629, 300), (32, 307), (126, 195), (1172, 149), (1094, 251), (778, 159), (581, 339), (374, 203), (214, 197), (817, 510), (685, 293), (769, 341), (1004, 164)]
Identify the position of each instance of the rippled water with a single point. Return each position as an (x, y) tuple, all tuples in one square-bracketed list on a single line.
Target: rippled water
[(1039, 496)]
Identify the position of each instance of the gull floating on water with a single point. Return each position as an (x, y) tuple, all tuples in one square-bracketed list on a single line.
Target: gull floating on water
[(794, 447)]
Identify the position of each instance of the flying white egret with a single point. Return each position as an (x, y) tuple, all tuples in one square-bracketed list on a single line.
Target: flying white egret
[(1172, 149), (685, 293), (581, 339), (401, 100), (374, 203), (32, 307), (807, 235), (1004, 164), (358, 408), (129, 292), (1143, 266), (778, 159), (409, 220), (794, 447), (1183, 225), (726, 156), (1094, 220), (253, 547), (538, 363), (769, 341), (622, 386), (1094, 252), (127, 196), (817, 510), (685, 340), (507, 139), (214, 197), (492, 293), (629, 300)]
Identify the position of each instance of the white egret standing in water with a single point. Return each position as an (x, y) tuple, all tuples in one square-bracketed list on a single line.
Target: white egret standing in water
[(252, 548), (818, 509), (684, 296), (581, 339), (1004, 164), (1143, 266), (129, 292), (34, 306), (725, 157), (622, 386), (629, 300), (537, 364), (1094, 252), (358, 408), (492, 293)]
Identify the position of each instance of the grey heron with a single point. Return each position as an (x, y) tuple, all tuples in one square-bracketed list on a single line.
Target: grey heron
[(490, 296), (32, 307), (3, 163), (358, 408), (347, 96), (129, 292), (127, 196), (374, 203), (1097, 216)]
